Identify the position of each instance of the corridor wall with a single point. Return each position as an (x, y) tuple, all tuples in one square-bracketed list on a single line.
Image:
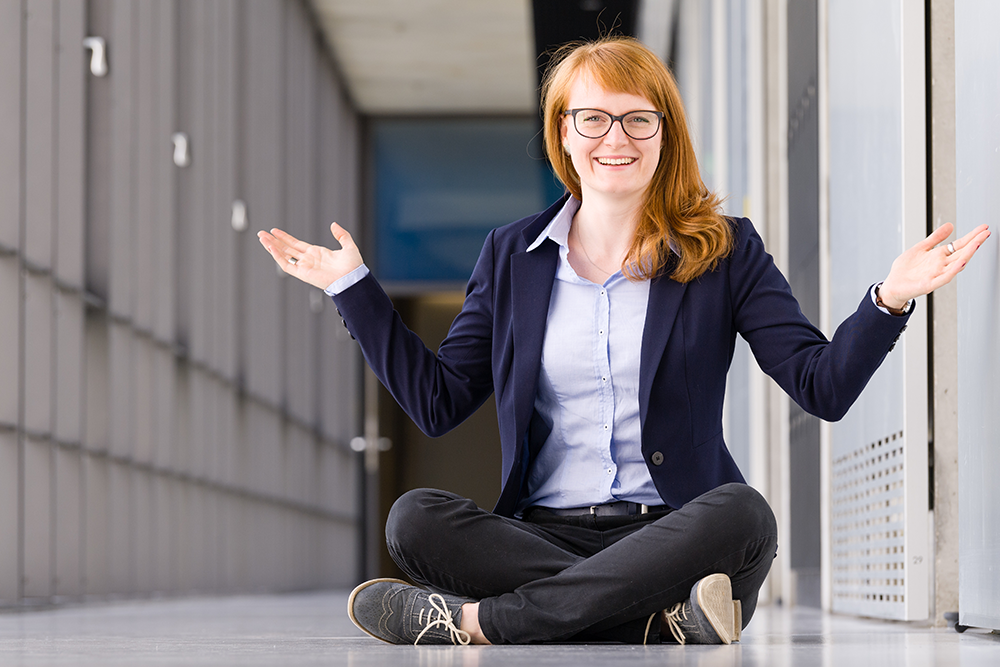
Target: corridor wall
[(977, 59), (174, 416)]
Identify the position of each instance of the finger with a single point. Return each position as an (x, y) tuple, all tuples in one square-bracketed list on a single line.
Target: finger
[(343, 236), (285, 257), (968, 238), (290, 241), (937, 236)]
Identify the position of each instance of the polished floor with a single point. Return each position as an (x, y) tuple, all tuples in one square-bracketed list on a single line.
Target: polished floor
[(313, 629)]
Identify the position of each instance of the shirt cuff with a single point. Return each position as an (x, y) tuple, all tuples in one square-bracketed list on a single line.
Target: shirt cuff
[(875, 300), (342, 283)]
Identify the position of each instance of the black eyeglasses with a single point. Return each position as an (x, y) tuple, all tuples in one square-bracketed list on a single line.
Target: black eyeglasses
[(594, 123)]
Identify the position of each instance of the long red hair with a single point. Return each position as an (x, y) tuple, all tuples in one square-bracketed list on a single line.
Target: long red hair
[(678, 210)]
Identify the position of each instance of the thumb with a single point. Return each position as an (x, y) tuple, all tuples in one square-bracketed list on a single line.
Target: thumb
[(343, 236)]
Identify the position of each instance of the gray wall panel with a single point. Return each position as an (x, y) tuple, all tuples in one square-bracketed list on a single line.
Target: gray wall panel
[(150, 147), (69, 361), (121, 258), (10, 338), (39, 125), (96, 374), (300, 210), (10, 123), (200, 443), (145, 530), (121, 529), (38, 543), (121, 409), (70, 162), (165, 446), (192, 188), (143, 401), (164, 209), (99, 100), (263, 141), (977, 61), (225, 121), (162, 578), (96, 530), (10, 510), (38, 371), (69, 518)]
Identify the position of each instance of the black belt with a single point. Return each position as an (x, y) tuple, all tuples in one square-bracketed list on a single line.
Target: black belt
[(617, 508)]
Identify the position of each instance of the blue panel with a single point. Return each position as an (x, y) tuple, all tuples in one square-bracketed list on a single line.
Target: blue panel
[(442, 184)]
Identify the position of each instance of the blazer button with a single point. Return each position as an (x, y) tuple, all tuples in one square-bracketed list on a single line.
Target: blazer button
[(656, 458)]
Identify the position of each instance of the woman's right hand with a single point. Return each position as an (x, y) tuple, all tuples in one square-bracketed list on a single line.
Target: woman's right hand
[(313, 264)]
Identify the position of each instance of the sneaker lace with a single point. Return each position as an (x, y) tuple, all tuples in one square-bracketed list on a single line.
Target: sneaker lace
[(440, 615), (673, 618)]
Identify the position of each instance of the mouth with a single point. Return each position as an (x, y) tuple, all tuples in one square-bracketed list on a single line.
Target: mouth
[(615, 161)]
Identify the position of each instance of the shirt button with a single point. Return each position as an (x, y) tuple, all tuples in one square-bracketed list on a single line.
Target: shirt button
[(605, 427), (604, 379), (656, 458), (601, 332), (610, 471)]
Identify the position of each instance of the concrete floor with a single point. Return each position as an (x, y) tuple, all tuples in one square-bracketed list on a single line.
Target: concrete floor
[(313, 629)]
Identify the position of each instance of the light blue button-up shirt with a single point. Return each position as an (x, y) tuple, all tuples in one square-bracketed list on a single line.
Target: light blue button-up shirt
[(588, 387)]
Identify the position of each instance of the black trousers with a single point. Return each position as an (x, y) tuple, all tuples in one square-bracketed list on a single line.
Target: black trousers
[(586, 578)]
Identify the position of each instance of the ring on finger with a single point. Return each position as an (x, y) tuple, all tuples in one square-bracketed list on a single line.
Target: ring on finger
[(951, 248), (293, 260)]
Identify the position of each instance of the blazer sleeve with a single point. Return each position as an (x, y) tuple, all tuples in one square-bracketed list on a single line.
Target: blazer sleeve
[(438, 391), (823, 376)]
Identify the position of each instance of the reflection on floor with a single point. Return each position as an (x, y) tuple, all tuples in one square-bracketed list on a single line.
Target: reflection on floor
[(313, 629)]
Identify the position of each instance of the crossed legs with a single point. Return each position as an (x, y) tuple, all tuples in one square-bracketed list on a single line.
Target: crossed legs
[(552, 578)]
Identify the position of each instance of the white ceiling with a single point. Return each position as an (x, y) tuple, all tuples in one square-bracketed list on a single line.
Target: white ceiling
[(434, 56)]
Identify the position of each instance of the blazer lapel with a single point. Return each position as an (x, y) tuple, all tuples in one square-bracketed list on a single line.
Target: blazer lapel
[(665, 297), (532, 274)]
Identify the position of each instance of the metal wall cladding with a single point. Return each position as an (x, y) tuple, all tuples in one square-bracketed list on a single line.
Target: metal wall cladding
[(977, 56), (175, 415), (879, 548)]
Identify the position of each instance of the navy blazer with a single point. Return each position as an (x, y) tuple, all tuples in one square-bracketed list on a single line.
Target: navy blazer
[(495, 344)]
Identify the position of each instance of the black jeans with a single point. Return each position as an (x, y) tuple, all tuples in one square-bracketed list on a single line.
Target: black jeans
[(586, 578)]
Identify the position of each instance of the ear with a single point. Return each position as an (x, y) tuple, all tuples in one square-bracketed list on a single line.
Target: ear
[(564, 128)]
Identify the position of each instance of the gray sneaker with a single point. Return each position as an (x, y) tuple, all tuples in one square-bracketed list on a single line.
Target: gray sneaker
[(709, 616), (398, 613)]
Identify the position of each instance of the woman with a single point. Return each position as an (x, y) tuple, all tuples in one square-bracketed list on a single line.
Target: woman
[(604, 326)]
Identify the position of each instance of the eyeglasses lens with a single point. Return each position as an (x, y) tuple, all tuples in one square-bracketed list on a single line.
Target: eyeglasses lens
[(594, 124)]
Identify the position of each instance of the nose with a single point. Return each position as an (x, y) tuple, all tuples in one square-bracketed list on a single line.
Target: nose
[(616, 137)]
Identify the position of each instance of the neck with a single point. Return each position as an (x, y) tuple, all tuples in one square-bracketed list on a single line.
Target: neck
[(605, 228)]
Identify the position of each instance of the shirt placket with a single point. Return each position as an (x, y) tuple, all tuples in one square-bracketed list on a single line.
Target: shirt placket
[(602, 362)]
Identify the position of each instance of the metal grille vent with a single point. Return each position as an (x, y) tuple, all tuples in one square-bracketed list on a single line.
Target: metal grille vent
[(868, 536)]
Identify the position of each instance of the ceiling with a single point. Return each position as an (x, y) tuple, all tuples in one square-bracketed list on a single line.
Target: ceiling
[(434, 56), (431, 57)]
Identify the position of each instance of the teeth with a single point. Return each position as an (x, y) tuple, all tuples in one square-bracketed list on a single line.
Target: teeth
[(616, 161)]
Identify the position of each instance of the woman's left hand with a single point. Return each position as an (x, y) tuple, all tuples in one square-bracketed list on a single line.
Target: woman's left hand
[(927, 266)]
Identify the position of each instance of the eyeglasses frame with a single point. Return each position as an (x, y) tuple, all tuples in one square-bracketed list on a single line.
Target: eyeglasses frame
[(659, 116)]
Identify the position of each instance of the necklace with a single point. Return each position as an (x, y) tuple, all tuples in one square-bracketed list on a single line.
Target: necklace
[(579, 242)]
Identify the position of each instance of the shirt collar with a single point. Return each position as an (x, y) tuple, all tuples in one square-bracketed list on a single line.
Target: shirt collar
[(558, 228)]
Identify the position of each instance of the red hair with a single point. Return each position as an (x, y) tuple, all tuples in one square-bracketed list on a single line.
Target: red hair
[(678, 210)]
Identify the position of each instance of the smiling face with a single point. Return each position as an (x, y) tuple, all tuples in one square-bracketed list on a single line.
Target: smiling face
[(615, 165)]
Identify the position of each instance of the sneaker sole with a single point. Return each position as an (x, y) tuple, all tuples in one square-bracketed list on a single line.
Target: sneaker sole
[(350, 604), (737, 620), (715, 597)]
